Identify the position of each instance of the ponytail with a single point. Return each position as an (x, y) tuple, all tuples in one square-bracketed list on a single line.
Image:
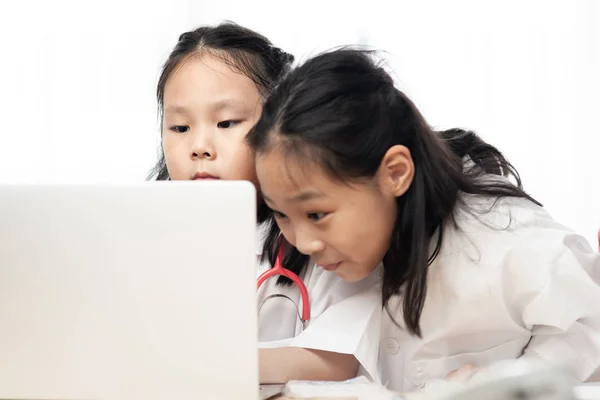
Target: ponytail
[(485, 156)]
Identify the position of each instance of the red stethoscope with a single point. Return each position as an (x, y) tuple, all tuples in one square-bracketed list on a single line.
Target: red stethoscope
[(277, 270)]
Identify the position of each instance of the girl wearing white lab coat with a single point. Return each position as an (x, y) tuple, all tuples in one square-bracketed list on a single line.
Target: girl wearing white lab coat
[(210, 94), (475, 272)]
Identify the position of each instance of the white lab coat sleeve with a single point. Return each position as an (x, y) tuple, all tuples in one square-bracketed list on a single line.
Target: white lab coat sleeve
[(551, 286), (346, 318)]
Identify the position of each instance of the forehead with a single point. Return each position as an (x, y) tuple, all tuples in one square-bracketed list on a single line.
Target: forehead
[(283, 178), (205, 79)]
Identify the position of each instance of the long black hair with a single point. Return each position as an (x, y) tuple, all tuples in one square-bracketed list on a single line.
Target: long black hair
[(342, 110), (246, 51)]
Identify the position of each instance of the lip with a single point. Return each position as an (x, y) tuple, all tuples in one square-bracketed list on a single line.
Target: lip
[(199, 176), (330, 267)]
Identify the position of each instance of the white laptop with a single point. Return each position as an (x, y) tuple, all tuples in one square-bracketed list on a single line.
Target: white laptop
[(144, 291)]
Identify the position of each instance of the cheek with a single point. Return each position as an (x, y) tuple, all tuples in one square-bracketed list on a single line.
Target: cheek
[(384, 222), (372, 232), (242, 163), (381, 238), (176, 160)]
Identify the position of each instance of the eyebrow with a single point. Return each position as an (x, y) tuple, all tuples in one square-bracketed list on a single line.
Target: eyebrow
[(300, 197), (215, 106), (229, 103), (176, 110)]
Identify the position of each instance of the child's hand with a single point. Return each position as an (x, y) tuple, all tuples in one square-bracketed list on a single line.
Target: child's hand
[(463, 374)]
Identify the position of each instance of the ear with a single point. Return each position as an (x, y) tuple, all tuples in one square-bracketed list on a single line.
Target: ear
[(396, 170)]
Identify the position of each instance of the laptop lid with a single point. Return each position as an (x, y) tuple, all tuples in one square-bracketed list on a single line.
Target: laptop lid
[(128, 291)]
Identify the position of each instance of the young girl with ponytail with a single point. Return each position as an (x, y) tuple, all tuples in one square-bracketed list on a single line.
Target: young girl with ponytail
[(475, 271)]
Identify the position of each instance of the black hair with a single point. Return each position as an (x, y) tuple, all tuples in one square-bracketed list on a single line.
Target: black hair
[(341, 110), (246, 51)]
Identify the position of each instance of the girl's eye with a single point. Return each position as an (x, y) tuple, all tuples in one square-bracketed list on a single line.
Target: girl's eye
[(180, 128), (316, 216), (227, 124)]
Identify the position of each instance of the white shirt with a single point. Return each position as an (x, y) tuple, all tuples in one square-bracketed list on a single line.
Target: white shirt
[(494, 295), (345, 317)]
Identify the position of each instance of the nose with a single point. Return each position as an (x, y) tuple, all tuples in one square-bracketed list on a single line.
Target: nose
[(306, 242), (202, 146)]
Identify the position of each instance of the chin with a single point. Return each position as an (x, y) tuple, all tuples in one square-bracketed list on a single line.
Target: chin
[(351, 277), (354, 272)]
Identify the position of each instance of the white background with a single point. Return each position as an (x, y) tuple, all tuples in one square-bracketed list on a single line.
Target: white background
[(78, 80)]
